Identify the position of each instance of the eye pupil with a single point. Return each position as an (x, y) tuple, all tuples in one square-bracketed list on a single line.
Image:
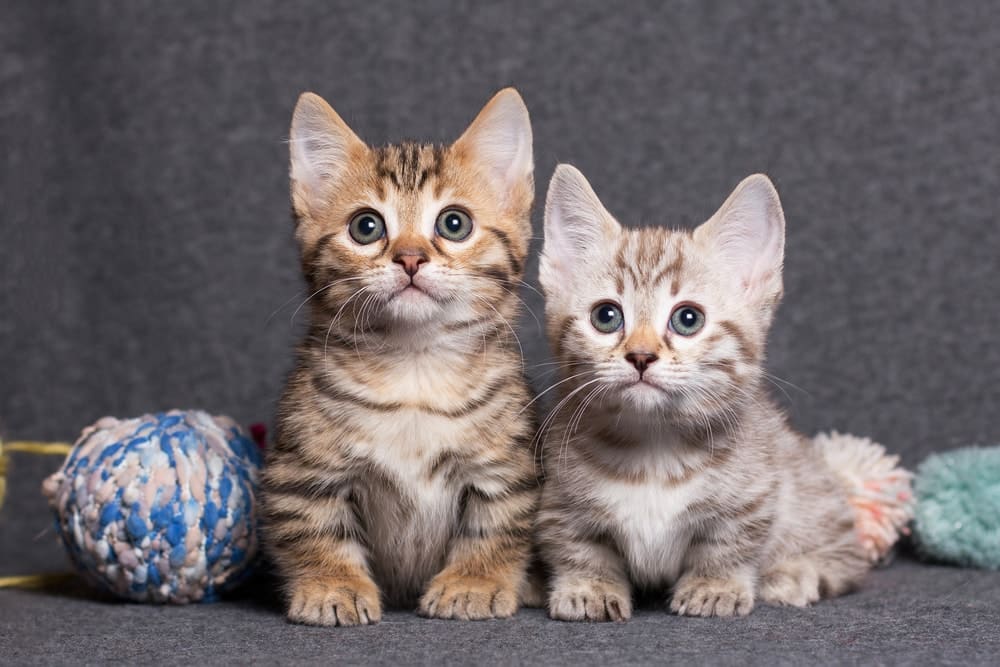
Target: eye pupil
[(687, 320), (607, 318), (454, 225), (367, 228)]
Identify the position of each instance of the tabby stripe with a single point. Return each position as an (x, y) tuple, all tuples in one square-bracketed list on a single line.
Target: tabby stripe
[(502, 236), (746, 349), (291, 531), (674, 267), (433, 169), (332, 392), (330, 338), (303, 487), (521, 487), (495, 272), (439, 247), (753, 506), (452, 327)]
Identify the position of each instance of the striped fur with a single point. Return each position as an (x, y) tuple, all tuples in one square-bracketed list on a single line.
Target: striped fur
[(684, 476), (401, 472)]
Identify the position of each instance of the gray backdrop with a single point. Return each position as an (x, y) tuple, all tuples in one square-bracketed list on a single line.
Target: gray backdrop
[(145, 229), (145, 242)]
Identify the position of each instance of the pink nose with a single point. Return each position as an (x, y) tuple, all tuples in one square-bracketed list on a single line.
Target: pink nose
[(641, 360), (410, 261)]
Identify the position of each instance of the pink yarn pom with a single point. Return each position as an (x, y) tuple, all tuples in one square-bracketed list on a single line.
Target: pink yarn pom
[(878, 488)]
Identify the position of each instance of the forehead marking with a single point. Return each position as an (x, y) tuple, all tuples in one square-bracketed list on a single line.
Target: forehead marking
[(408, 165)]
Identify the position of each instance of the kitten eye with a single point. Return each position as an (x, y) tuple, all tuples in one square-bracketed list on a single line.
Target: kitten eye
[(366, 227), (607, 317), (454, 224), (687, 320)]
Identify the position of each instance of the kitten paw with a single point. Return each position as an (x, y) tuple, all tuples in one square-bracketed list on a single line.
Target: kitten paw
[(335, 602), (590, 600), (468, 598), (707, 596), (793, 583)]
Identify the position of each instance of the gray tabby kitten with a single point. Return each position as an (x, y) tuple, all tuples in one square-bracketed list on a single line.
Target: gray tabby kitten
[(667, 465)]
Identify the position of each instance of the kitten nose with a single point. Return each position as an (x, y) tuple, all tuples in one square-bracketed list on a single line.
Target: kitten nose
[(641, 360), (410, 260)]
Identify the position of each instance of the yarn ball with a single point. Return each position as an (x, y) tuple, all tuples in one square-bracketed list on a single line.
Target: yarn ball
[(958, 507), (160, 508)]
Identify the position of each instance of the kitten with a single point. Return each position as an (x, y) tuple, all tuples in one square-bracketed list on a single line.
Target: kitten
[(666, 463), (402, 470)]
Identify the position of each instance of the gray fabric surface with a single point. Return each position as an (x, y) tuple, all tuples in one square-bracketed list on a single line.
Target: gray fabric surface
[(146, 243), (906, 615)]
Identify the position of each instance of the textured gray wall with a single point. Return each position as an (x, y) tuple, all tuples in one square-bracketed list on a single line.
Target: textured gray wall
[(144, 219)]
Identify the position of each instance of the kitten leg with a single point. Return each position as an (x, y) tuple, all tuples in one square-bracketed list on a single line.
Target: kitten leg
[(802, 580), (589, 580), (346, 595), (722, 595), (328, 584), (316, 544), (487, 560), (721, 570), (794, 582), (590, 596)]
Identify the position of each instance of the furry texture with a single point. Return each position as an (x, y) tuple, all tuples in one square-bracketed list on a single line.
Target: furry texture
[(667, 465), (958, 507), (402, 471), (878, 489)]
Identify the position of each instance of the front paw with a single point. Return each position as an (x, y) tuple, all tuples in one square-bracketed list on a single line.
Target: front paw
[(333, 601), (590, 600), (794, 582), (468, 598), (709, 596)]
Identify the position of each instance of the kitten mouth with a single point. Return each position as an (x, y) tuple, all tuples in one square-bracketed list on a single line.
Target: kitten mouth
[(645, 382), (412, 291)]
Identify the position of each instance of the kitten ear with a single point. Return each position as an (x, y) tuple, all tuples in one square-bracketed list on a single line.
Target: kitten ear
[(321, 145), (500, 138), (577, 226), (748, 234)]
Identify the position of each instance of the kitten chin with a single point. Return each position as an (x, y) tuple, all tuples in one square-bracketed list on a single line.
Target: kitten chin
[(412, 306), (645, 398)]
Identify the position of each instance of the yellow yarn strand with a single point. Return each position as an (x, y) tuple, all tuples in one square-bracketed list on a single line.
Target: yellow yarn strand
[(31, 581), (36, 581), (3, 475), (34, 447), (27, 447)]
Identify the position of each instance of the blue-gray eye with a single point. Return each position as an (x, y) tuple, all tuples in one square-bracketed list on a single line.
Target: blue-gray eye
[(454, 224), (607, 317), (687, 320), (366, 227)]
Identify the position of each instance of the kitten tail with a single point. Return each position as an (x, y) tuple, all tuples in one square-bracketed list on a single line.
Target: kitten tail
[(878, 489)]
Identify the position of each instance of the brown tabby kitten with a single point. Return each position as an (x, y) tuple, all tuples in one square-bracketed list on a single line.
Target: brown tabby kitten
[(402, 469), (666, 463)]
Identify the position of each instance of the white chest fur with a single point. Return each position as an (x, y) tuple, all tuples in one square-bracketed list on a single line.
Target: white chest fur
[(652, 525), (409, 534)]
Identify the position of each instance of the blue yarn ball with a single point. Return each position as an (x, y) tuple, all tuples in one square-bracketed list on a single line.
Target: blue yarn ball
[(160, 508), (957, 518)]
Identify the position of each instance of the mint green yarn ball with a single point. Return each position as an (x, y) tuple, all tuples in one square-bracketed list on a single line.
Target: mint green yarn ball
[(957, 519)]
